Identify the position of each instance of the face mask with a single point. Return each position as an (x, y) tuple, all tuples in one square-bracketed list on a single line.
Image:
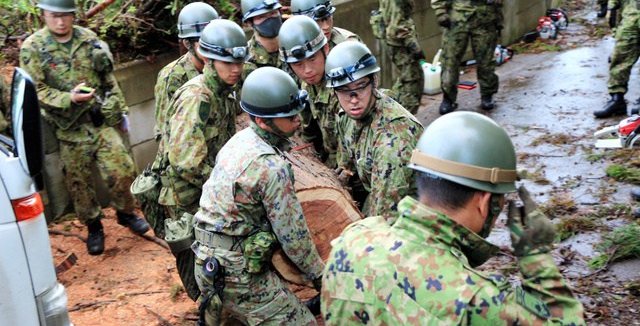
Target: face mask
[(270, 27)]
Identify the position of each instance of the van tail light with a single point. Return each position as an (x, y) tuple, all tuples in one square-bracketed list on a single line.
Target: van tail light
[(28, 207)]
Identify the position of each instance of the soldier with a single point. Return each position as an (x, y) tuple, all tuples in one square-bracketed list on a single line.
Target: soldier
[(625, 54), (264, 17), (421, 269), (249, 206), (191, 21), (304, 48), (79, 95), (204, 120), (480, 22), (393, 25), (376, 133), (322, 12)]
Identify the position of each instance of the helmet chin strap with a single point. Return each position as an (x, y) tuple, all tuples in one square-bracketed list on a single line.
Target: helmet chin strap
[(494, 210)]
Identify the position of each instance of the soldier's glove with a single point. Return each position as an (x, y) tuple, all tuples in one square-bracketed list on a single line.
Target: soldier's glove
[(96, 115), (313, 305), (417, 52), (531, 231), (444, 21), (317, 283), (613, 17)]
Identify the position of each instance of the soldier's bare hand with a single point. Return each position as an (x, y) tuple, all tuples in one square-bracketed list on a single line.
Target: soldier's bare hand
[(81, 93)]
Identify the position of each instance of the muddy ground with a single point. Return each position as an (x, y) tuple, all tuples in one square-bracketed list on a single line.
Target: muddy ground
[(546, 99)]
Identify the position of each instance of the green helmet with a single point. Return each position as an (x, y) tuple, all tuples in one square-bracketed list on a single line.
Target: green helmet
[(316, 9), (223, 40), (470, 149), (193, 18), (252, 8), (349, 61), (269, 92), (300, 37), (57, 5)]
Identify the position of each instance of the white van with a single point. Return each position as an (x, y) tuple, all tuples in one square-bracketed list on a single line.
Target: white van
[(29, 291)]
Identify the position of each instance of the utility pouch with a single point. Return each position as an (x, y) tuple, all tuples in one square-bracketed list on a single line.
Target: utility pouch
[(101, 58), (179, 235), (184, 193), (146, 188), (257, 250), (377, 24)]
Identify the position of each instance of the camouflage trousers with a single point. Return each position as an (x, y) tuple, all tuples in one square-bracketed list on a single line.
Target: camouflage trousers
[(253, 299), (106, 149), (625, 54), (409, 84), (184, 258), (454, 45)]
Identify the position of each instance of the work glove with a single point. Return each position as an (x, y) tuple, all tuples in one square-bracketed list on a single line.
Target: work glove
[(613, 17), (531, 231), (444, 21), (317, 283), (313, 305), (417, 52)]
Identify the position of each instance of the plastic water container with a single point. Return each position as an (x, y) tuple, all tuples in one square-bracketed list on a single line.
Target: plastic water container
[(432, 73)]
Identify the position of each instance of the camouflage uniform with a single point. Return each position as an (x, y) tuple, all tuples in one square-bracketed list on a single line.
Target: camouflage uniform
[(470, 20), (56, 70), (204, 120), (5, 105), (378, 148), (170, 78), (626, 50), (339, 35), (319, 123), (250, 189), (259, 57), (401, 42), (420, 271)]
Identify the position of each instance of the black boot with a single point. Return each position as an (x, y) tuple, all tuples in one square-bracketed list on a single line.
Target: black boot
[(636, 106), (486, 102), (635, 193), (95, 240), (615, 106), (603, 11), (134, 222), (447, 106), (636, 213)]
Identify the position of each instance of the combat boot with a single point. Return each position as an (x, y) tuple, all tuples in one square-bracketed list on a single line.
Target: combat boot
[(635, 193), (636, 106), (133, 222), (447, 106), (603, 11), (486, 102), (615, 106), (95, 240)]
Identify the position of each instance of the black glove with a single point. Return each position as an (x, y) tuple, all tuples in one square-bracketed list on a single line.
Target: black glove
[(417, 52), (444, 21), (313, 305), (96, 115), (531, 231), (613, 17), (317, 283)]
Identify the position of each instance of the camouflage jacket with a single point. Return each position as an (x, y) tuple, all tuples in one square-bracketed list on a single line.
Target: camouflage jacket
[(417, 272), (319, 123), (628, 7), (204, 120), (252, 186), (170, 78), (339, 35), (379, 147), (400, 30), (462, 10), (56, 70)]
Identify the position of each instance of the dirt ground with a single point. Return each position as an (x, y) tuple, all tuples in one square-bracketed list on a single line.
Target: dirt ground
[(547, 95)]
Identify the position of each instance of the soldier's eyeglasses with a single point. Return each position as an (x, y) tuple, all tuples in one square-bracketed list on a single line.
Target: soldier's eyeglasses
[(353, 92), (266, 4), (318, 12), (338, 74)]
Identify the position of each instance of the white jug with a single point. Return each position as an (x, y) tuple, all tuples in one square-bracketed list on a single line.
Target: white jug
[(432, 72)]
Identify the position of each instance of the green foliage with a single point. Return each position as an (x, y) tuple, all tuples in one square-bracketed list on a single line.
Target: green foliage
[(623, 173), (17, 17), (622, 243), (571, 226)]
